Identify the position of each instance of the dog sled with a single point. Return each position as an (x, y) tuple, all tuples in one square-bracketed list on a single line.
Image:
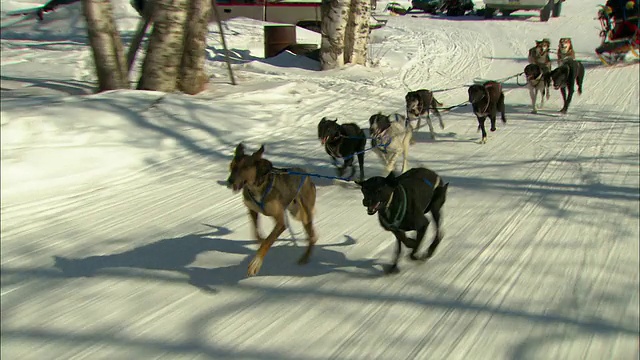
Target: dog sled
[(620, 36)]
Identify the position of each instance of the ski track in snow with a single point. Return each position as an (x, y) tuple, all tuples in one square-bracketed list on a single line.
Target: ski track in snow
[(540, 251)]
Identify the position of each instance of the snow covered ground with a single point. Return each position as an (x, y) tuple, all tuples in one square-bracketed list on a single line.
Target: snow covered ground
[(119, 242)]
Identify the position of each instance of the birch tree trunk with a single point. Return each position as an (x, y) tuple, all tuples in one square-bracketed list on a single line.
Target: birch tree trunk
[(165, 47), (349, 32), (334, 23), (357, 36), (106, 45), (192, 78)]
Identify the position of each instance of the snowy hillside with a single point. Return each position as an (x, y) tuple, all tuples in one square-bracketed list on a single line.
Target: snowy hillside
[(119, 242)]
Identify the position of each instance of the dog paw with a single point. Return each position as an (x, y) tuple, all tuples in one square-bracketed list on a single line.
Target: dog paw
[(492, 129), (415, 257), (391, 269), (254, 266), (534, 111)]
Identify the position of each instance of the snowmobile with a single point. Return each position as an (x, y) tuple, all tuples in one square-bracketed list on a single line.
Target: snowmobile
[(450, 7), (428, 6), (620, 35), (457, 7)]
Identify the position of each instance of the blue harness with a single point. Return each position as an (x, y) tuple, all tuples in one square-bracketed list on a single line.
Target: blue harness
[(268, 189)]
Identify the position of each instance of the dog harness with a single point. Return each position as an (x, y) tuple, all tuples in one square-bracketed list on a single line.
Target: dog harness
[(403, 208), (400, 215), (486, 92), (335, 150), (268, 189), (384, 139), (535, 81)]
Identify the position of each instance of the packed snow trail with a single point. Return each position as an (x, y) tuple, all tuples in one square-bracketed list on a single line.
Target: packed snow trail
[(119, 242)]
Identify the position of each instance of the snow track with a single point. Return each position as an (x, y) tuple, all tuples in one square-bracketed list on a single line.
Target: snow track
[(136, 250)]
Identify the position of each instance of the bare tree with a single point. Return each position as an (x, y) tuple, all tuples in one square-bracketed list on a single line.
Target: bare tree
[(334, 23), (106, 45), (357, 33), (192, 78), (165, 47)]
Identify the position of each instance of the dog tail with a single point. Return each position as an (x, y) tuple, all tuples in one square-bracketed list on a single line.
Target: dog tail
[(435, 103)]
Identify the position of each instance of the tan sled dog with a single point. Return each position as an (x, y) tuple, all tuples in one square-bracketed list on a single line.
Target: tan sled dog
[(271, 192), (565, 50)]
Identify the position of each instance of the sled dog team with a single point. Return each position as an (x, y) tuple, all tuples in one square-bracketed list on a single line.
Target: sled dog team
[(539, 74), (401, 202)]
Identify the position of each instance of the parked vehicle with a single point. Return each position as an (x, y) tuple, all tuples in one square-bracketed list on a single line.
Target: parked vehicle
[(547, 8), (450, 7), (302, 13)]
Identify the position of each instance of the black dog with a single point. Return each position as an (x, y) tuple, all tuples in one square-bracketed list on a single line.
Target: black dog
[(487, 99), (419, 103), (402, 202), (564, 77), (343, 141)]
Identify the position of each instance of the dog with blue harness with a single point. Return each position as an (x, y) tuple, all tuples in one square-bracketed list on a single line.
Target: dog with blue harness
[(271, 192), (402, 203)]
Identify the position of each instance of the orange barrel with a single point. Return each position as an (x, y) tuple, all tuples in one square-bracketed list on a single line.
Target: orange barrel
[(278, 38)]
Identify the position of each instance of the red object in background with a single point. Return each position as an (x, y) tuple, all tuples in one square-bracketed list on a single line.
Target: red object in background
[(626, 29)]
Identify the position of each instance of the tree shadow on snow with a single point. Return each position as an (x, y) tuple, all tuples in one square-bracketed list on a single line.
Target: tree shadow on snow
[(236, 56), (176, 254), (551, 109), (593, 190), (70, 87), (243, 56)]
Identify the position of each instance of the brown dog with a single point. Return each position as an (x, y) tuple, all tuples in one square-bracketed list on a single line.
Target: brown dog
[(419, 103), (487, 99), (565, 50), (271, 192)]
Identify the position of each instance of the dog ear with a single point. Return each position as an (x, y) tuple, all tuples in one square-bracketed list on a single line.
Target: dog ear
[(239, 150), (258, 154)]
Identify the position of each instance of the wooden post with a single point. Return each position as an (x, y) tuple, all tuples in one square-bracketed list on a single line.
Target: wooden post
[(224, 42), (147, 12)]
